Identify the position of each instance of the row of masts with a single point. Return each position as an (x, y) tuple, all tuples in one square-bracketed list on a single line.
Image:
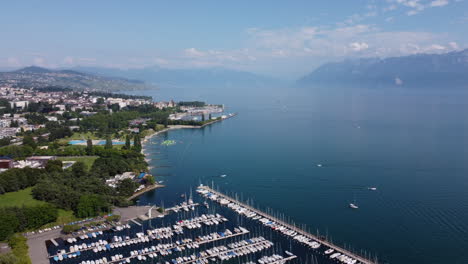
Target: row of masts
[(363, 255)]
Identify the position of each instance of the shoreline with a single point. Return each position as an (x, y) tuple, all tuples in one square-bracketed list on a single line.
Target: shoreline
[(147, 139), (175, 127)]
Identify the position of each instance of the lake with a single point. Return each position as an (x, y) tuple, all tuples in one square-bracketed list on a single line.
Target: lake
[(308, 153)]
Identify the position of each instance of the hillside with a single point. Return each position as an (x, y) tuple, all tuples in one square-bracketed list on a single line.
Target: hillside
[(202, 77), (38, 77), (422, 70)]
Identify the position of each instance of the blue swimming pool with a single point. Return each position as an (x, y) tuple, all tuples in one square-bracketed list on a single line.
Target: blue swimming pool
[(95, 142)]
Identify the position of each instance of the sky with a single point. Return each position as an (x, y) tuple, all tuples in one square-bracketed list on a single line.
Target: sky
[(285, 39)]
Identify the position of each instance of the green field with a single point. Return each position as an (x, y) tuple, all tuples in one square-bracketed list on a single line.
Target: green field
[(24, 197), (19, 198), (87, 160)]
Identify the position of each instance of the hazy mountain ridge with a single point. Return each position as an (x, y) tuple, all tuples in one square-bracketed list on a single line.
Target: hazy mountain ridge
[(39, 77), (202, 77), (416, 70)]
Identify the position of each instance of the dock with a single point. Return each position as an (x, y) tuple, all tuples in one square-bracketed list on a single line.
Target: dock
[(243, 232), (135, 222), (291, 227), (54, 242), (146, 189), (264, 243)]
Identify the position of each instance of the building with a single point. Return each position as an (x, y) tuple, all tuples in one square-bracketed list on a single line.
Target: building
[(6, 163), (19, 104), (42, 160)]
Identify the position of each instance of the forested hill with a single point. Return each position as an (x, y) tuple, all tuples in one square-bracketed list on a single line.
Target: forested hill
[(423, 70), (38, 77), (190, 77)]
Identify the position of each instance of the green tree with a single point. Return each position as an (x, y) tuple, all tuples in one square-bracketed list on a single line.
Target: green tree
[(8, 224), (28, 140), (78, 169), (108, 143), (137, 143), (127, 142), (54, 166), (91, 205), (203, 117), (209, 116), (126, 187), (149, 180), (89, 147)]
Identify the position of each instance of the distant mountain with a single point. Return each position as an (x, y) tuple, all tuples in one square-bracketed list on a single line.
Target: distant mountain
[(203, 77), (33, 70), (38, 77), (423, 70)]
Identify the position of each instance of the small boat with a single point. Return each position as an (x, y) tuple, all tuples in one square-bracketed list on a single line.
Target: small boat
[(353, 206), (223, 176), (372, 188), (319, 165), (329, 251)]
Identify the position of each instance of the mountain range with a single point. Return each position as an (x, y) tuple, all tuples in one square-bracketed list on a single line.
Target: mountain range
[(38, 77), (195, 77), (422, 70)]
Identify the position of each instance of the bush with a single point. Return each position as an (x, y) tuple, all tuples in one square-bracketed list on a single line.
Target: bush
[(70, 228), (8, 258), (113, 218), (19, 247)]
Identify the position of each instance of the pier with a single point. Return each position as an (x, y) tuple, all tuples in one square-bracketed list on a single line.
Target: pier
[(264, 243), (291, 227), (135, 222), (242, 232)]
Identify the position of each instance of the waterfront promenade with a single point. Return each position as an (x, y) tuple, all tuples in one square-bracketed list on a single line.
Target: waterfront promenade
[(292, 227)]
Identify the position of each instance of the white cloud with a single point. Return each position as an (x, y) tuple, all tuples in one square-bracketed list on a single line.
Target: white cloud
[(39, 61), (13, 62), (358, 46), (193, 52), (314, 46), (435, 47), (87, 59), (437, 3), (454, 45), (68, 60), (414, 7)]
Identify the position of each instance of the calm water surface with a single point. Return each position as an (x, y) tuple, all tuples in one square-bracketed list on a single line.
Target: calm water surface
[(411, 145)]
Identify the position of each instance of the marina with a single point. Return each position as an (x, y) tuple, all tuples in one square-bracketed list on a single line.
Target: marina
[(214, 229), (276, 224)]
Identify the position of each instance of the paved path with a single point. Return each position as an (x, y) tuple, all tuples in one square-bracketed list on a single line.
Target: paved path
[(37, 248)]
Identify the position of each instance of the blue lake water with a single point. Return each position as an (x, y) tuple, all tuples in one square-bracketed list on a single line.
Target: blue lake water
[(410, 144)]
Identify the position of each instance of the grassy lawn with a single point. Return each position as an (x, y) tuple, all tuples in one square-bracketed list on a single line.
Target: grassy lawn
[(87, 160), (19, 198), (24, 197)]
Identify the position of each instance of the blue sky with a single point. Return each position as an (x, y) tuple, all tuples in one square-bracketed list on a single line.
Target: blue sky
[(282, 38)]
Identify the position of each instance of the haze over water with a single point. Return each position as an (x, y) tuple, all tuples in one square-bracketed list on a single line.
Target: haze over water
[(410, 144)]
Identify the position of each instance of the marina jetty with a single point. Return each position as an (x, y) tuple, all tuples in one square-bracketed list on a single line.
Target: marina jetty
[(299, 234)]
